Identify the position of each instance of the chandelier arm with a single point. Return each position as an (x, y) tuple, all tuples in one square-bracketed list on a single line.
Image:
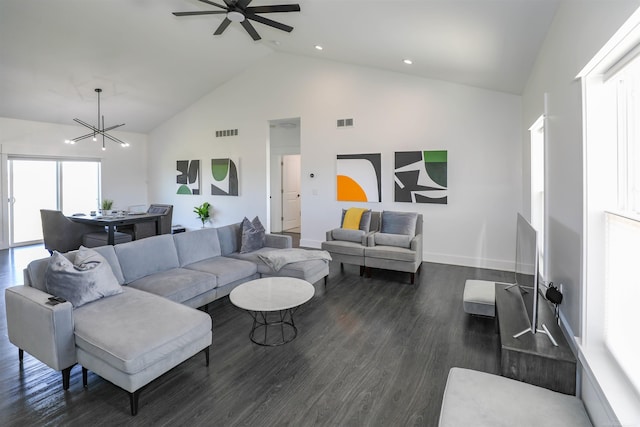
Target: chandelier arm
[(80, 138), (93, 128), (114, 139), (112, 127)]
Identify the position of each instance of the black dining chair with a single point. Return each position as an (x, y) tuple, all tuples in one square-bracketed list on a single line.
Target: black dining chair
[(61, 234), (148, 229)]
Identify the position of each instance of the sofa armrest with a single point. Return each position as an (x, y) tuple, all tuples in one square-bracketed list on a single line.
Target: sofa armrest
[(329, 236), (42, 330), (416, 244), (278, 241), (367, 239)]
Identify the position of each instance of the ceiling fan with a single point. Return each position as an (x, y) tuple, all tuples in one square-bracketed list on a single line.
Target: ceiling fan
[(240, 11)]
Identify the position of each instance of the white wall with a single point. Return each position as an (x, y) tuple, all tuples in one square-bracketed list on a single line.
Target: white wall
[(124, 170), (480, 129), (579, 30)]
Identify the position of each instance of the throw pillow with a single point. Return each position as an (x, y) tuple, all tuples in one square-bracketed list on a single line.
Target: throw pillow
[(399, 223), (365, 220), (397, 240), (88, 278), (253, 235), (347, 235)]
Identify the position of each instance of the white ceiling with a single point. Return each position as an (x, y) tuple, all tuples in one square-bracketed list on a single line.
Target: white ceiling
[(151, 64)]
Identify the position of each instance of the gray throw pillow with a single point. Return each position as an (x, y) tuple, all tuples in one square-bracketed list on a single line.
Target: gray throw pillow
[(253, 235), (347, 235), (397, 240), (399, 222), (88, 278)]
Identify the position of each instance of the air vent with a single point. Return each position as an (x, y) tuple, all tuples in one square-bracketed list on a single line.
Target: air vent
[(227, 132), (345, 123)]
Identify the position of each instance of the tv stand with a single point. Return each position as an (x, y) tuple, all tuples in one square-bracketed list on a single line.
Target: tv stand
[(544, 330), (533, 358)]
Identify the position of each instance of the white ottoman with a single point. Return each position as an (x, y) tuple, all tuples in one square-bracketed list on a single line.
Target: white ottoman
[(479, 298)]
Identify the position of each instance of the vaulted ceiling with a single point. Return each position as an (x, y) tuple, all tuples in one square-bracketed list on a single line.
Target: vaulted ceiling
[(152, 64)]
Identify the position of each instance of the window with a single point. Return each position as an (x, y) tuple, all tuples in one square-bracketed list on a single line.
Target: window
[(71, 186), (610, 345)]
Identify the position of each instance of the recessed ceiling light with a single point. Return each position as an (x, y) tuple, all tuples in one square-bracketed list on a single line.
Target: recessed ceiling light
[(407, 61), (318, 47)]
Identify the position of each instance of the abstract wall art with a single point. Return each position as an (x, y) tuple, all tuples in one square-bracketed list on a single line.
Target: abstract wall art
[(359, 178), (188, 177), (421, 177), (225, 177)]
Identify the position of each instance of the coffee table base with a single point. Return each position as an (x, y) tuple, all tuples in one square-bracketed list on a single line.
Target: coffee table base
[(261, 321)]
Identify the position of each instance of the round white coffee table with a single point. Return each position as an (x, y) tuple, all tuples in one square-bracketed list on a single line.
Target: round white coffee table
[(272, 301)]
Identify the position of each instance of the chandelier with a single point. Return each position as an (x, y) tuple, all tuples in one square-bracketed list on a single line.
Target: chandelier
[(100, 130)]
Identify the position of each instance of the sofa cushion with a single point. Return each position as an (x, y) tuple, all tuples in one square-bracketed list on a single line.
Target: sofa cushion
[(110, 255), (230, 238), (177, 284), (347, 235), (252, 235), (399, 222), (194, 246), (147, 256), (136, 329), (87, 279), (226, 270), (388, 239), (365, 220)]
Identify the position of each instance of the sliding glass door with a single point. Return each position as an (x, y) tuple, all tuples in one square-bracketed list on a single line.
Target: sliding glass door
[(67, 185)]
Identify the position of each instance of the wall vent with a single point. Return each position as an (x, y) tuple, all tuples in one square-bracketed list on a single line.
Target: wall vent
[(344, 123), (227, 132)]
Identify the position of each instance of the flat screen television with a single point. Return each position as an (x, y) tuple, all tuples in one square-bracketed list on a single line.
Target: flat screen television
[(527, 276)]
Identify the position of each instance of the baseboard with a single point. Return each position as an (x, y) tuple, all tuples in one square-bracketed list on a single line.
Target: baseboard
[(491, 264)]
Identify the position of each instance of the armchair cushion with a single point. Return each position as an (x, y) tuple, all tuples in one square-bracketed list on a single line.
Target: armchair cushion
[(87, 279), (347, 235), (399, 223), (390, 239)]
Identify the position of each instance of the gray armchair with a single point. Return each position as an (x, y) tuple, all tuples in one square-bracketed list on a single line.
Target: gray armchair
[(61, 234), (148, 229), (398, 244), (347, 246)]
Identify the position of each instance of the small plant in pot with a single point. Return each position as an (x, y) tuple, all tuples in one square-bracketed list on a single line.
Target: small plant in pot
[(106, 206), (203, 212)]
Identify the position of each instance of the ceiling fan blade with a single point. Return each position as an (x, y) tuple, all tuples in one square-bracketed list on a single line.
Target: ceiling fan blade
[(223, 26), (274, 8), (242, 3), (230, 3), (252, 31), (208, 12), (213, 4), (269, 22)]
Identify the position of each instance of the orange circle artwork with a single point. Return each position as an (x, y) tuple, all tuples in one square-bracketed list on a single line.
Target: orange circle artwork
[(349, 190)]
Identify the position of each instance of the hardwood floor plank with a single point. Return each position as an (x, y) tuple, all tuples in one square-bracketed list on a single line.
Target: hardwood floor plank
[(369, 351)]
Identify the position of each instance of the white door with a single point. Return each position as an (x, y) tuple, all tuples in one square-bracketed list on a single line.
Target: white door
[(291, 192)]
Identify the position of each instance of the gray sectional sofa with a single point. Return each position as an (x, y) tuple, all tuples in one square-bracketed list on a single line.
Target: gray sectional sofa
[(151, 326)]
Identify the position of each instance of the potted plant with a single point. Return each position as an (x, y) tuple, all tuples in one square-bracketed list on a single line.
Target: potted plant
[(106, 206), (203, 212)]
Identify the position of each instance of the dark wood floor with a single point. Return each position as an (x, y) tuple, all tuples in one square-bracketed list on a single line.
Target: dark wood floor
[(369, 352)]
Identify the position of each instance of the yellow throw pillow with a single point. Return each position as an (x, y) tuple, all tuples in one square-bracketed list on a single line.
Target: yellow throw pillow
[(352, 218)]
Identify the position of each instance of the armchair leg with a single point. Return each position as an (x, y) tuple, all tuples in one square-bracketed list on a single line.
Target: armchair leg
[(325, 282), (133, 401), (367, 272), (66, 375), (20, 354), (341, 267), (413, 277), (84, 377), (206, 355), (361, 270)]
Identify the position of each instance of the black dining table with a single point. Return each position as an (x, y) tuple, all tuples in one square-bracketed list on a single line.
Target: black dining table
[(111, 222)]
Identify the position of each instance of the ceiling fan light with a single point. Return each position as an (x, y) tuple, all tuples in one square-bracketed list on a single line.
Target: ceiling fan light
[(318, 47), (407, 61), (235, 16)]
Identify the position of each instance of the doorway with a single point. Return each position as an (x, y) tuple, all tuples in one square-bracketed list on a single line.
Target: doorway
[(285, 175)]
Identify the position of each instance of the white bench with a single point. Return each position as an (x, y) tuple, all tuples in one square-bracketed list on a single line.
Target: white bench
[(478, 399), (479, 298)]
